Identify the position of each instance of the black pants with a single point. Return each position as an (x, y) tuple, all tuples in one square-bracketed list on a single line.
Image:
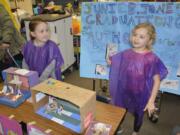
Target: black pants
[(4, 65), (138, 121)]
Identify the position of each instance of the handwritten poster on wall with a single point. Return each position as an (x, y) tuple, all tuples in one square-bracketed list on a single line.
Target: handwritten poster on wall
[(106, 28)]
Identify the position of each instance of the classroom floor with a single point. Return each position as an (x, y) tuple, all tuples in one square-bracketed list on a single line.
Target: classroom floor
[(169, 115)]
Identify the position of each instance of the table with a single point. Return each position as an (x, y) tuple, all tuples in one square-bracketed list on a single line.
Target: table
[(104, 113)]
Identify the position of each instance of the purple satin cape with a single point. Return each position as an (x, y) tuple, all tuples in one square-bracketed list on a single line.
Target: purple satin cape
[(38, 58), (8, 125), (131, 78)]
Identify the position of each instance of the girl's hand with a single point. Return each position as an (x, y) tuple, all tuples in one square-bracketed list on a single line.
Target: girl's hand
[(150, 107), (108, 61), (4, 46)]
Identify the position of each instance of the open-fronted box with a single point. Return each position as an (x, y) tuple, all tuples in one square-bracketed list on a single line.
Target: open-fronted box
[(66, 104), (17, 84)]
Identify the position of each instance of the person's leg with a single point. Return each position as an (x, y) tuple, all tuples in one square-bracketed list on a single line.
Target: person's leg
[(120, 129), (138, 120)]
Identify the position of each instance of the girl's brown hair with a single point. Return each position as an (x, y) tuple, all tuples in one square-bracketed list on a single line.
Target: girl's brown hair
[(151, 31), (33, 24)]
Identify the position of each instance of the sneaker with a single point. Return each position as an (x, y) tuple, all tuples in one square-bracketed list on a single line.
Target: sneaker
[(154, 117), (120, 131)]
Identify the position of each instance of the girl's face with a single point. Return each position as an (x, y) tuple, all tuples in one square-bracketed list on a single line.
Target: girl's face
[(140, 39), (41, 33)]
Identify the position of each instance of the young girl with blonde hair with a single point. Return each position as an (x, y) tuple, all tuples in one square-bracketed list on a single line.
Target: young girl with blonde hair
[(135, 75)]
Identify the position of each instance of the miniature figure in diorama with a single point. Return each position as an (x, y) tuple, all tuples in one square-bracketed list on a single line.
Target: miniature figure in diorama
[(11, 89), (17, 85), (52, 106), (100, 129), (6, 90), (60, 109)]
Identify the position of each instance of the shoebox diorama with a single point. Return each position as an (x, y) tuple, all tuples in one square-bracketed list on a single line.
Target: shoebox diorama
[(17, 84), (10, 126), (63, 103)]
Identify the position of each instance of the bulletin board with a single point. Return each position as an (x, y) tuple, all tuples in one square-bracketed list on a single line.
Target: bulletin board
[(110, 23)]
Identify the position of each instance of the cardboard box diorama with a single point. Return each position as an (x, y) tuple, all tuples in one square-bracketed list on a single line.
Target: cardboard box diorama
[(66, 104), (17, 83)]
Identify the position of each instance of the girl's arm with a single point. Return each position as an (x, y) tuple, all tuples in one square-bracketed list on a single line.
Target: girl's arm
[(150, 106), (48, 71), (4, 45)]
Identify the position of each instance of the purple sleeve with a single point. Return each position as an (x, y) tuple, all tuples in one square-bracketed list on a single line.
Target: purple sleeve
[(38, 58), (59, 62), (24, 49), (159, 68)]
